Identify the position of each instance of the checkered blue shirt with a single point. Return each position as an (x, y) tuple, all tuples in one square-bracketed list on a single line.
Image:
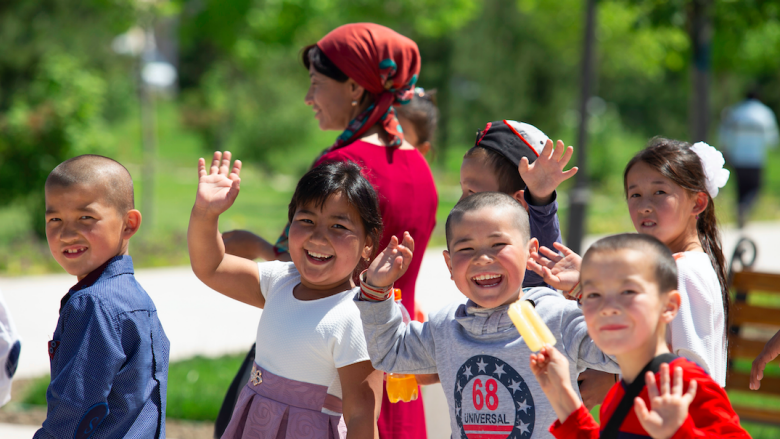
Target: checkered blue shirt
[(109, 360)]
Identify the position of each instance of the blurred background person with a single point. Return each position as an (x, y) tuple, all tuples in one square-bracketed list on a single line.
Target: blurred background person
[(746, 131)]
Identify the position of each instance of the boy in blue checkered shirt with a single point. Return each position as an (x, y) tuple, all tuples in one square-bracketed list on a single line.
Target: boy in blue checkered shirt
[(109, 353)]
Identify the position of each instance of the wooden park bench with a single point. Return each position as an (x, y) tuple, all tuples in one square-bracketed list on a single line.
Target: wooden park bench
[(751, 327)]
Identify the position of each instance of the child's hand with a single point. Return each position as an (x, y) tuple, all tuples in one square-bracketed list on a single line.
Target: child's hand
[(217, 190), (770, 352), (392, 263), (561, 272), (546, 173), (669, 409), (551, 370)]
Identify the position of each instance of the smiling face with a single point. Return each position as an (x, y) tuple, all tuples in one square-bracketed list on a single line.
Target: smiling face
[(623, 308), (84, 229), (487, 256), (327, 243), (661, 208), (331, 100)]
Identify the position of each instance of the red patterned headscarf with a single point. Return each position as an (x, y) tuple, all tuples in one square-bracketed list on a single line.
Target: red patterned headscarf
[(383, 62)]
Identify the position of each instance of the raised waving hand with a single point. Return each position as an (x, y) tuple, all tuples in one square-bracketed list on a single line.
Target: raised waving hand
[(392, 262), (668, 407), (544, 175), (561, 271), (218, 185)]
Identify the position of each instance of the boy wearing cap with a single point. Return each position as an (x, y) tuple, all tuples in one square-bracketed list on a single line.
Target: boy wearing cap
[(519, 160), (109, 353)]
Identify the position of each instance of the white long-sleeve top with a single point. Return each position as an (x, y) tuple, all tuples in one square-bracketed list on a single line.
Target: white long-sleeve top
[(698, 331)]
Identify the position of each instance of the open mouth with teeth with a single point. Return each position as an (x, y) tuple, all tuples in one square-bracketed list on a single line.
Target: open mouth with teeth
[(318, 257), (487, 280), (74, 252), (647, 223)]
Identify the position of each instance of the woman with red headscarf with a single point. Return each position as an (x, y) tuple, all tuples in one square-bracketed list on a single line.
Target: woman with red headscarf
[(358, 73)]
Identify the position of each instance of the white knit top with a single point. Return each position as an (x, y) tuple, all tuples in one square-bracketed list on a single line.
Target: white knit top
[(306, 340), (697, 332)]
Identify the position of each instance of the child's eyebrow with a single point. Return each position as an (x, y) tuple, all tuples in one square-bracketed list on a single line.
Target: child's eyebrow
[(652, 182), (462, 240), (341, 217)]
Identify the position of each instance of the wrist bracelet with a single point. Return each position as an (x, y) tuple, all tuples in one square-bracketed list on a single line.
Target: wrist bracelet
[(372, 293), (576, 291)]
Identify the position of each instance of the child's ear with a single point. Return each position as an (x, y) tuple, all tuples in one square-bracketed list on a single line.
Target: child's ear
[(448, 260), (671, 306), (424, 147), (533, 245), (132, 223), (700, 203), (520, 197)]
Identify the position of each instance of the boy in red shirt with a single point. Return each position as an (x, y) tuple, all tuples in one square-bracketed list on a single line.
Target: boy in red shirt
[(629, 295)]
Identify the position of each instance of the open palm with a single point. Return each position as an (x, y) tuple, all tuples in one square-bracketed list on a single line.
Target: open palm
[(668, 407), (392, 262), (217, 189), (546, 173)]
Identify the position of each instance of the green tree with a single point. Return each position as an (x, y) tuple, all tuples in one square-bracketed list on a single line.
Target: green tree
[(53, 88)]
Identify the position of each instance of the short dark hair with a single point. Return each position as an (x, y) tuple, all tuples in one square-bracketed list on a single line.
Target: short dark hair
[(421, 111), (317, 185), (509, 180), (312, 55), (92, 169), (482, 200), (654, 250)]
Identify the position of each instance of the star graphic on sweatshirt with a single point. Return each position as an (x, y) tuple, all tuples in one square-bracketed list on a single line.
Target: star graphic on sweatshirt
[(499, 371), (481, 366), (523, 426), (522, 406), (515, 386), (468, 373)]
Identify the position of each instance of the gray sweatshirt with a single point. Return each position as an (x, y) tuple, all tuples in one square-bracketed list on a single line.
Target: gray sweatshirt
[(482, 361)]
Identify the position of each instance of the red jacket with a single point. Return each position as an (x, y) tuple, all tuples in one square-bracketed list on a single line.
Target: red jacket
[(709, 416)]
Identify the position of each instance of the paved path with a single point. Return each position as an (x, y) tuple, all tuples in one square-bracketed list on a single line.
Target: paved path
[(199, 321)]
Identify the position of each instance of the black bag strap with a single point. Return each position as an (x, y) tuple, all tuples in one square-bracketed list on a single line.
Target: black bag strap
[(612, 428)]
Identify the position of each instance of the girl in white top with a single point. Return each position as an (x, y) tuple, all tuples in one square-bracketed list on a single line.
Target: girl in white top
[(312, 364), (670, 186)]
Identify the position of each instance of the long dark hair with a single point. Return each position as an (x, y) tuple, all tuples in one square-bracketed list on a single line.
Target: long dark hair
[(317, 185), (675, 160)]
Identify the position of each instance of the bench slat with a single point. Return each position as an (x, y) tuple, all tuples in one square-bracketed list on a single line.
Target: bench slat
[(754, 281), (744, 348), (757, 415), (741, 381), (742, 313)]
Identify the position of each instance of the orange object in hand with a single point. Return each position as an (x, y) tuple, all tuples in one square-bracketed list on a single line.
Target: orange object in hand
[(401, 386)]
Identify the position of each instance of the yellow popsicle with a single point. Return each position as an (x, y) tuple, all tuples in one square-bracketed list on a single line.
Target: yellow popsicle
[(531, 327)]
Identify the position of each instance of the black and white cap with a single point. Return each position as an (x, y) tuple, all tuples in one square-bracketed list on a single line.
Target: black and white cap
[(513, 140)]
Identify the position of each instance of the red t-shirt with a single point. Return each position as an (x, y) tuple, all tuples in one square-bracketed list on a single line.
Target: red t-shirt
[(710, 415), (408, 201)]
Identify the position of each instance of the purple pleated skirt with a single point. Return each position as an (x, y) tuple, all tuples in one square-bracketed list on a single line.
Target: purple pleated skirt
[(274, 407)]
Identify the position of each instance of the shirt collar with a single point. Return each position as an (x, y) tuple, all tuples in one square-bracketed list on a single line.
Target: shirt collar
[(480, 321), (122, 264)]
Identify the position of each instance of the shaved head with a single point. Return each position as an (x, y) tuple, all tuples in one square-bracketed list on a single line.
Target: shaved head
[(105, 174), (482, 200)]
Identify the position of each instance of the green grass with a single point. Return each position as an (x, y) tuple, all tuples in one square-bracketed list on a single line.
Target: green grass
[(196, 387)]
